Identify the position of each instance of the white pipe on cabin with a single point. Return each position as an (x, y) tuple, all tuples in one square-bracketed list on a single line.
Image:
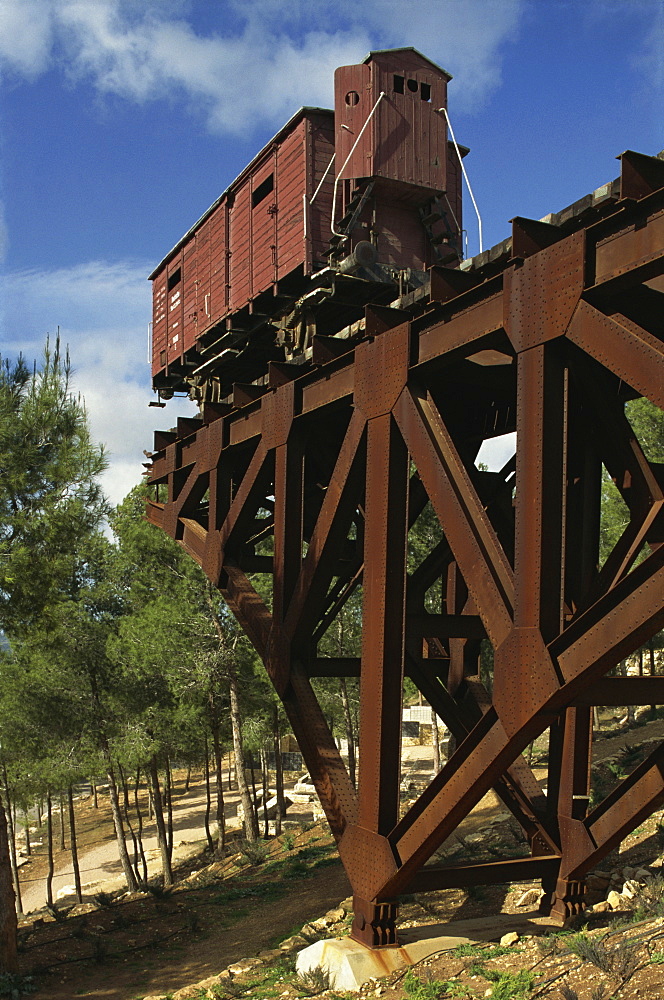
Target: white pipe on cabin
[(322, 180), (338, 177), (463, 170)]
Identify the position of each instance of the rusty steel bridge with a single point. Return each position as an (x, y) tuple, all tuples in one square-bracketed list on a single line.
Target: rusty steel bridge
[(548, 335)]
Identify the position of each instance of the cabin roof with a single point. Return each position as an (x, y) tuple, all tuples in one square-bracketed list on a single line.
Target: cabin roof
[(407, 48)]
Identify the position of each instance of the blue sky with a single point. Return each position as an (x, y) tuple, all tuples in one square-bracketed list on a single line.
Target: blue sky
[(122, 120)]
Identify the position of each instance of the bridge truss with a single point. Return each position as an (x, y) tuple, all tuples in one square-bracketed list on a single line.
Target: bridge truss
[(335, 460)]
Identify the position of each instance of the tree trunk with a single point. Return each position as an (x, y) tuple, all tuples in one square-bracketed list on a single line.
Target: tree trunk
[(266, 791), (187, 779), (63, 844), (162, 837), (254, 794), (168, 784), (219, 783), (95, 797), (139, 823), (208, 798), (278, 772), (73, 845), (49, 848), (8, 921), (26, 821), (127, 818), (435, 739), (40, 813), (12, 843), (250, 824), (117, 821), (348, 722)]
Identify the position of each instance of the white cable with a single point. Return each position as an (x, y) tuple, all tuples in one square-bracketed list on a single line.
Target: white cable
[(463, 169), (322, 180)]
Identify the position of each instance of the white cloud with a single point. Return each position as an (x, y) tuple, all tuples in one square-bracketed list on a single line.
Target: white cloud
[(266, 57), (26, 35), (102, 311)]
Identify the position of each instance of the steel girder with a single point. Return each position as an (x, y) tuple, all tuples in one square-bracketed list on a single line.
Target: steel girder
[(337, 464)]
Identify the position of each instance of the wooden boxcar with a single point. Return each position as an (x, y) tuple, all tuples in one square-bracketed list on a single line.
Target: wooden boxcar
[(268, 256), (261, 230)]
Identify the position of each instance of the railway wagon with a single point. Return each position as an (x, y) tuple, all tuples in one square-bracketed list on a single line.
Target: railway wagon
[(339, 209)]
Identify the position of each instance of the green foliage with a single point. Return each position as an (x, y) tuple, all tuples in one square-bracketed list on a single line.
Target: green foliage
[(651, 899), (50, 498), (254, 851), (619, 962), (312, 982), (513, 985), (479, 951), (432, 989), (648, 424), (15, 986)]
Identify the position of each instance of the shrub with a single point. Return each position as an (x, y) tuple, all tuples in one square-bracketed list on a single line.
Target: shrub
[(312, 982), (254, 851)]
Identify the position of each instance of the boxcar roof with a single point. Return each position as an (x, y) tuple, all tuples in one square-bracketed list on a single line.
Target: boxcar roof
[(407, 48), (292, 121)]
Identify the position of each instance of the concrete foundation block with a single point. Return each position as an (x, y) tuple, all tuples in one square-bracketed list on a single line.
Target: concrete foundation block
[(350, 964)]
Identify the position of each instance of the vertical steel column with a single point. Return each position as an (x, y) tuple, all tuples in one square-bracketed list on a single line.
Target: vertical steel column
[(540, 490), (383, 651)]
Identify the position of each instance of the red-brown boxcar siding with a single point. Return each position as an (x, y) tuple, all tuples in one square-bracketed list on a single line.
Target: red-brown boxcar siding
[(219, 262), (203, 277), (408, 131), (240, 247), (175, 310), (189, 284), (159, 322), (321, 149), (291, 161), (265, 188), (351, 114)]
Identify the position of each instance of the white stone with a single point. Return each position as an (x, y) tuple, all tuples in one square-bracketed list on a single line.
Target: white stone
[(630, 889), (615, 900), (509, 939), (530, 897)]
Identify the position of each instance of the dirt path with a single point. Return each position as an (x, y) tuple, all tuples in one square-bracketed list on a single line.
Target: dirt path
[(167, 968), (99, 863)]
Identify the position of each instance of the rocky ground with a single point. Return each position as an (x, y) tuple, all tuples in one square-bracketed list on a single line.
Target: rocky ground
[(233, 927)]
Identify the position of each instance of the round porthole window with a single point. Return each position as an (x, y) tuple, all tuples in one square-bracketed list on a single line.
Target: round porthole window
[(412, 85), (352, 98)]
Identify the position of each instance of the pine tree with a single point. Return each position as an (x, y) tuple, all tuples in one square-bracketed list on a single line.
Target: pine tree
[(49, 500)]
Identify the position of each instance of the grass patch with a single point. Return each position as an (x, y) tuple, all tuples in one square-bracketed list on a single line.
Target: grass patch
[(432, 989), (478, 951)]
